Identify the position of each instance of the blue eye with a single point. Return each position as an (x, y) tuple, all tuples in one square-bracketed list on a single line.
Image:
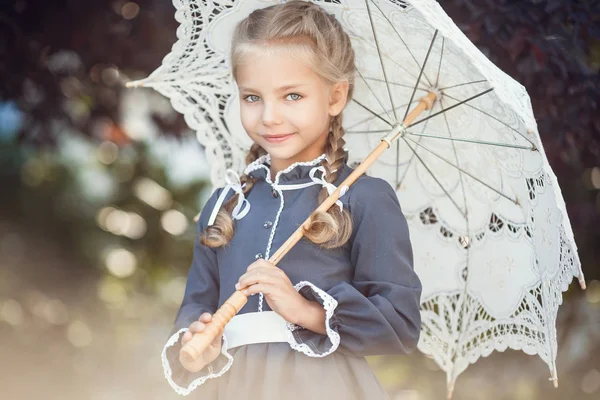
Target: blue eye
[(248, 97), (298, 97)]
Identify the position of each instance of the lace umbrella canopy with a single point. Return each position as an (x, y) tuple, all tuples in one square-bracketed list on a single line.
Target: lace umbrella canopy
[(492, 241)]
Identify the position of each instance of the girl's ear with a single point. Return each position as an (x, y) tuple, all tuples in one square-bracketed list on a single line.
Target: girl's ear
[(338, 97)]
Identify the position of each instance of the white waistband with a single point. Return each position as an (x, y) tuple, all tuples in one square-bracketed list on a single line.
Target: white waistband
[(256, 327)]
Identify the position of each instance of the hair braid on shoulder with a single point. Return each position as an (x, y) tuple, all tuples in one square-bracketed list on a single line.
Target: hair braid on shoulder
[(333, 228), (221, 232)]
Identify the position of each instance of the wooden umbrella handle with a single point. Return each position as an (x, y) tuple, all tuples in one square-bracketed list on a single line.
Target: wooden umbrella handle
[(200, 341)]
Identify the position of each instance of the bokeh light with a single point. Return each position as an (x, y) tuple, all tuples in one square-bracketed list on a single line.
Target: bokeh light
[(79, 334), (591, 381), (592, 293), (64, 62), (33, 172), (171, 293), (136, 228), (130, 10), (108, 152), (152, 194), (121, 263), (52, 311), (118, 222), (110, 76), (595, 177), (71, 87), (112, 292), (12, 312), (174, 222)]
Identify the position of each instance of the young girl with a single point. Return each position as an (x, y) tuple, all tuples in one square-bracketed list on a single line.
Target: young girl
[(348, 288)]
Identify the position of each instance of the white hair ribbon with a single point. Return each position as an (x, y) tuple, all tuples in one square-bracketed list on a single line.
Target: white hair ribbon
[(233, 182), (329, 186)]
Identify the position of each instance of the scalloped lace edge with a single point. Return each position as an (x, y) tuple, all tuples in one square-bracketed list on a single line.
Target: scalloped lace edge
[(329, 303), (198, 381), (562, 279)]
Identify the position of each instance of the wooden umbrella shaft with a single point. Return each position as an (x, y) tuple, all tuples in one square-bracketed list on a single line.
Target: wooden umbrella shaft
[(200, 341)]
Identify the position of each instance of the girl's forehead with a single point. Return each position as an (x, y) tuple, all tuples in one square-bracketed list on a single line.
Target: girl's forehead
[(274, 68)]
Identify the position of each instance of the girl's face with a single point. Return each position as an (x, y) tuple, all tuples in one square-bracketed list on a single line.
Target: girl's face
[(282, 96)]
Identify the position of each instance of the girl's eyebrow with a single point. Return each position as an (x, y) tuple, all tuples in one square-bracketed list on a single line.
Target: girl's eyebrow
[(281, 89)]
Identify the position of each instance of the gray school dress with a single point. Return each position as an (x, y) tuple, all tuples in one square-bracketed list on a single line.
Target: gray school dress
[(368, 288)]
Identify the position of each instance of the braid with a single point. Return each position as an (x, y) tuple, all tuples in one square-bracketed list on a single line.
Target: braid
[(335, 150), (255, 152), (333, 228)]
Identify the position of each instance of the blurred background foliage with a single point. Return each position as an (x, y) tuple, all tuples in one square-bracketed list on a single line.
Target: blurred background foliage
[(99, 186)]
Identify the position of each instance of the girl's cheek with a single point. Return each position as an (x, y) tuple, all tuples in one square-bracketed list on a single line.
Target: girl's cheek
[(251, 113), (248, 119)]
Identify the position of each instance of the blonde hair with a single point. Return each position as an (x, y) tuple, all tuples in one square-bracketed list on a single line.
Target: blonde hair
[(307, 32)]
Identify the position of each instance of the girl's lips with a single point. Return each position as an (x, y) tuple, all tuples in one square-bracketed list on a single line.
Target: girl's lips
[(277, 139)]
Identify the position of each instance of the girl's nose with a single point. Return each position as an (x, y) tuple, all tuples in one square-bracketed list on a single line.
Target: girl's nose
[(270, 115)]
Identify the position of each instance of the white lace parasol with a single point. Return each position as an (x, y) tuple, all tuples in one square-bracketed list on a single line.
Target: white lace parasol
[(492, 240)]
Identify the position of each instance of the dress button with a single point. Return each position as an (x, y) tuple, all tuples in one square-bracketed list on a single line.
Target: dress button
[(268, 224), (274, 193), (258, 255)]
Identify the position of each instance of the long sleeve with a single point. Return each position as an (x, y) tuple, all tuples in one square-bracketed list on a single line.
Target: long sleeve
[(378, 312), (201, 295)]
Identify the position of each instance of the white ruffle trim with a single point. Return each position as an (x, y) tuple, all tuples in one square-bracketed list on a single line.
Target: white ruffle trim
[(259, 163), (329, 303), (200, 380)]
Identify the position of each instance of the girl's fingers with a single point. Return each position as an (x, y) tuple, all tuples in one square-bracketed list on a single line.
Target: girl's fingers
[(262, 268), (206, 317), (186, 337), (197, 327), (217, 339), (259, 287), (261, 263), (266, 271), (257, 277)]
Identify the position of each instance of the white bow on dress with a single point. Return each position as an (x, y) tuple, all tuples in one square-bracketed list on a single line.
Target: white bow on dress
[(329, 186), (233, 182)]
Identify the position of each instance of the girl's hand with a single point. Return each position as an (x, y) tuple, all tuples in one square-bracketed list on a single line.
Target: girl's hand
[(212, 351), (282, 297)]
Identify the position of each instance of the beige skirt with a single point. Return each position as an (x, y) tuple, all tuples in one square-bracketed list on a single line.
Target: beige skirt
[(274, 371)]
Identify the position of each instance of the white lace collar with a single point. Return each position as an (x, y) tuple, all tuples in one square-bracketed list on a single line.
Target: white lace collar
[(295, 171)]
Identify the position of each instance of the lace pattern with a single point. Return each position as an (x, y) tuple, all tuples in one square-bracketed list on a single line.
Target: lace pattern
[(457, 326), (531, 328), (329, 303), (198, 381)]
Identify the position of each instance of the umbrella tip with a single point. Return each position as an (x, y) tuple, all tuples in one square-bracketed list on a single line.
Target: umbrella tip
[(554, 379), (450, 390), (582, 282), (135, 84)]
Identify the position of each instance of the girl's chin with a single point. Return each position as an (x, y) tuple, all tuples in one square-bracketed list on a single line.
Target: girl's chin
[(280, 154)]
